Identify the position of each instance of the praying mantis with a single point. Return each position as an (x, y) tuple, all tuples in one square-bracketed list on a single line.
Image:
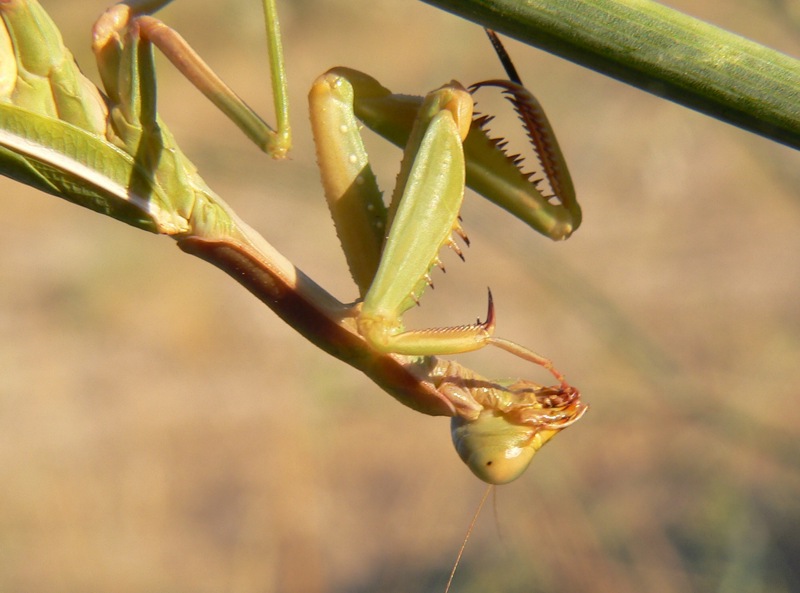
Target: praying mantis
[(110, 151)]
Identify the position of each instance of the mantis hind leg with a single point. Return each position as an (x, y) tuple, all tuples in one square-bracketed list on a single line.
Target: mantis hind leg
[(107, 36)]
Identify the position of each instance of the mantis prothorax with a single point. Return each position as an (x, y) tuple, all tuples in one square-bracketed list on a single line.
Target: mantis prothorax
[(111, 152)]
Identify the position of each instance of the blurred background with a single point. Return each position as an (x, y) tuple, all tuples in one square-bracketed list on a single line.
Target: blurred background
[(162, 431)]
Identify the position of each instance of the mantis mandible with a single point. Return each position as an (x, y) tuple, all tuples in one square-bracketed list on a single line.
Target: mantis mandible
[(110, 151)]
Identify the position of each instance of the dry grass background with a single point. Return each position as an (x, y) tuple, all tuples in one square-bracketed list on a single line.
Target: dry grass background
[(162, 431)]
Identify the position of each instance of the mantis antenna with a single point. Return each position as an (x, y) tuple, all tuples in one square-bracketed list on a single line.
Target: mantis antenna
[(466, 536)]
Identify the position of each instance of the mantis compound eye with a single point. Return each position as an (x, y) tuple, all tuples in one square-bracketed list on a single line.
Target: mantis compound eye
[(496, 450)]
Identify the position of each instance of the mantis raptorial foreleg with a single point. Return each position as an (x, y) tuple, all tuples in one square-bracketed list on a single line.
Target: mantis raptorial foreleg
[(423, 216), (113, 154), (497, 429), (430, 187)]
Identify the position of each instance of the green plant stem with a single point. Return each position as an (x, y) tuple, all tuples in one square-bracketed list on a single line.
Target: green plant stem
[(659, 50)]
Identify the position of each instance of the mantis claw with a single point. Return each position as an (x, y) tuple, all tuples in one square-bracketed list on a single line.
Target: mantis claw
[(489, 324)]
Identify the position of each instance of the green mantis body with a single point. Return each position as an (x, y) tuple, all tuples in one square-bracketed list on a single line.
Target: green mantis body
[(110, 152)]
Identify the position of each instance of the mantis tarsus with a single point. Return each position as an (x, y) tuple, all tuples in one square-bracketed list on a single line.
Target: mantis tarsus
[(110, 152)]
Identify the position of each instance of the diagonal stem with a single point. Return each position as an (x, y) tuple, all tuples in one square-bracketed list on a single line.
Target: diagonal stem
[(660, 50)]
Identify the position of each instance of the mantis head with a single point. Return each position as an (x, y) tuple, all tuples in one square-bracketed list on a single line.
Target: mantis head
[(500, 443)]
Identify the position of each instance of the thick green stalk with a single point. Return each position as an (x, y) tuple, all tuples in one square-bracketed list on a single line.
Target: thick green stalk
[(661, 51)]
